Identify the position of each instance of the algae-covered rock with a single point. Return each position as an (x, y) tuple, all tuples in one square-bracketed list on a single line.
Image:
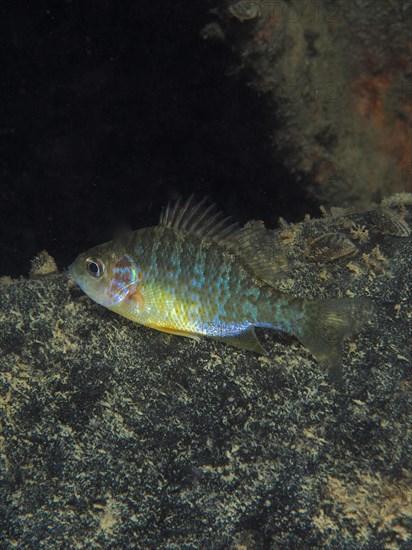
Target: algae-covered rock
[(335, 78), (118, 436)]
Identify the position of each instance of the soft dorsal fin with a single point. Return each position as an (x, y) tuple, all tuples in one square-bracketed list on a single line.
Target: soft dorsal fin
[(255, 246), (261, 251)]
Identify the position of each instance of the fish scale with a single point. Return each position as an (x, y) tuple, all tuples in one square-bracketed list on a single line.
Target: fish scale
[(198, 275)]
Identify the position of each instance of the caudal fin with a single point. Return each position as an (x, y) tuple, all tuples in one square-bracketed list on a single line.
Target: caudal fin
[(326, 325)]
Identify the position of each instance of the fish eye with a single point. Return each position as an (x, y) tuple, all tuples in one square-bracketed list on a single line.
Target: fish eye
[(95, 268)]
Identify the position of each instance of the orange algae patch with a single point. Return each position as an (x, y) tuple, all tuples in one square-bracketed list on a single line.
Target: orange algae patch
[(394, 135)]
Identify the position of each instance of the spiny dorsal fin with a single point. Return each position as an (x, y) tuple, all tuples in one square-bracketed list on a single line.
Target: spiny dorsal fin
[(198, 218), (253, 244)]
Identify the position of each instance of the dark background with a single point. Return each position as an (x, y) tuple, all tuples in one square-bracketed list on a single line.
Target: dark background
[(108, 111)]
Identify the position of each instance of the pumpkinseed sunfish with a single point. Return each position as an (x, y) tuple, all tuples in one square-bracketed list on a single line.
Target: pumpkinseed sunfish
[(196, 274)]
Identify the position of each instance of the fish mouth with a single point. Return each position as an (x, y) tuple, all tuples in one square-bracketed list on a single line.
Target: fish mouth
[(71, 270), (73, 273), (76, 277)]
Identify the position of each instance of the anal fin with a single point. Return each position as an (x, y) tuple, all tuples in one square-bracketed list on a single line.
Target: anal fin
[(175, 331), (245, 340)]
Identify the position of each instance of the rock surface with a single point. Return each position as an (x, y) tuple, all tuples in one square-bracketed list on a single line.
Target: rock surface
[(117, 436)]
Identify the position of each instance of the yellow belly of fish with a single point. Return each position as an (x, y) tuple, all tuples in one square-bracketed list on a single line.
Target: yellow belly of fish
[(161, 310)]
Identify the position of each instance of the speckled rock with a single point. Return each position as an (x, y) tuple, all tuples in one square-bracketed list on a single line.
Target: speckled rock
[(117, 436)]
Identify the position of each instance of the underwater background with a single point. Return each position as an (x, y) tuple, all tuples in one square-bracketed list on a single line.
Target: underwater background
[(110, 111)]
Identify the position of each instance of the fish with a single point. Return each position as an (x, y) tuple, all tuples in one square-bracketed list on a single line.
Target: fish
[(197, 274)]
